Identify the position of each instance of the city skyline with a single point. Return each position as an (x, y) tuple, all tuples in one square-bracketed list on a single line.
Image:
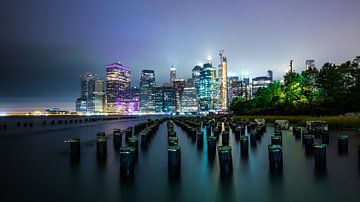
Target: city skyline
[(51, 50), (245, 86)]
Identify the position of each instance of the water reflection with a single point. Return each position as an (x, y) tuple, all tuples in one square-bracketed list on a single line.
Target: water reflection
[(226, 190), (200, 178), (211, 160)]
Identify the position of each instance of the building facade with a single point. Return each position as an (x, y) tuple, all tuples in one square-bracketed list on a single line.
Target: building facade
[(135, 93), (260, 82), (207, 88), (179, 85), (99, 96), (223, 86), (147, 96), (172, 74), (118, 79), (86, 101), (195, 73), (189, 102), (165, 101)]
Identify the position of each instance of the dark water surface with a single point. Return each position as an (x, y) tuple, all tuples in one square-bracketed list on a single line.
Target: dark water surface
[(37, 167)]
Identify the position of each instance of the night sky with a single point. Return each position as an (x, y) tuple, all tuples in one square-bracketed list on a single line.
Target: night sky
[(46, 45)]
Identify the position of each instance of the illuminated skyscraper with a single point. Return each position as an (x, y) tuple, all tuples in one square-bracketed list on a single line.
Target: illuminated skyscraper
[(223, 96), (179, 85), (165, 99), (231, 81), (147, 94), (118, 78), (172, 75), (86, 101), (135, 93), (189, 103), (207, 92), (196, 78), (99, 96)]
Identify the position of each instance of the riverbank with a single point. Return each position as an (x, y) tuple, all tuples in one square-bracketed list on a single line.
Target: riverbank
[(336, 122)]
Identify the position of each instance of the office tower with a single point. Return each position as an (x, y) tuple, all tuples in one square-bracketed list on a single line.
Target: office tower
[(172, 75), (223, 95), (231, 80), (270, 74), (189, 103), (118, 78), (207, 94), (310, 64), (260, 82), (127, 106), (240, 88), (196, 78), (236, 89), (179, 85), (165, 99), (80, 105), (134, 93), (99, 96), (147, 96), (86, 101)]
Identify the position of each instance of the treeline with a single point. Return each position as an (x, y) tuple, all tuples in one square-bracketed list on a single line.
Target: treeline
[(332, 90)]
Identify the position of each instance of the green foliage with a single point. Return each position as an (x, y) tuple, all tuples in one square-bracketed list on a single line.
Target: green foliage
[(334, 89)]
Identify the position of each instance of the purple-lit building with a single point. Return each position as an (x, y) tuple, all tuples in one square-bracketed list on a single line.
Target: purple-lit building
[(118, 78), (126, 106)]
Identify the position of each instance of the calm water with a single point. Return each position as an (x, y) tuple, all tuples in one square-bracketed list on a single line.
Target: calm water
[(36, 167)]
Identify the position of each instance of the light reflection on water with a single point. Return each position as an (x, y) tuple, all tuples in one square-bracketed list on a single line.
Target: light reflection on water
[(37, 167)]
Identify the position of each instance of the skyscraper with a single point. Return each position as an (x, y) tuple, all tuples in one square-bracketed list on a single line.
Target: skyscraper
[(134, 93), (189, 103), (165, 99), (231, 80), (196, 78), (179, 85), (172, 75), (118, 78), (99, 96), (310, 64), (86, 101), (223, 96), (207, 92), (147, 96)]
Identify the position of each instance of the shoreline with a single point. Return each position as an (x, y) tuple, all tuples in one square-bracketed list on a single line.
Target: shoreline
[(335, 122), (20, 125)]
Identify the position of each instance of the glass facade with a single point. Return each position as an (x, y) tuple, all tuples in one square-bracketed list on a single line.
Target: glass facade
[(172, 75), (147, 94), (99, 96), (207, 90), (86, 101), (118, 78), (165, 99), (179, 85), (196, 78), (189, 102)]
